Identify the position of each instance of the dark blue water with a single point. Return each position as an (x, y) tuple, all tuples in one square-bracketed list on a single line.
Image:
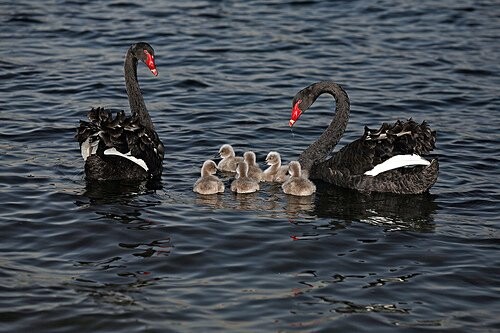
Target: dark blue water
[(78, 257)]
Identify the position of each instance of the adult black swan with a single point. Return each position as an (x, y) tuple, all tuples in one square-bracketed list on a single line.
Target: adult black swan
[(123, 147), (382, 160)]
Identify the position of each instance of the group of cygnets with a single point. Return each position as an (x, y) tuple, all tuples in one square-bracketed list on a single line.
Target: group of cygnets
[(249, 174)]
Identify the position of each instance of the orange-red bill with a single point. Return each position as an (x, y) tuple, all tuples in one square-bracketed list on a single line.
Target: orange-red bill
[(150, 62), (296, 112)]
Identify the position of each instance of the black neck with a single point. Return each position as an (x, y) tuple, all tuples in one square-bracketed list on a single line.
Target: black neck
[(135, 99), (323, 146)]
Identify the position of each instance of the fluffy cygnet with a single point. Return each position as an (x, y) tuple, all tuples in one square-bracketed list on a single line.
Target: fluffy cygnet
[(243, 183), (275, 172), (254, 170), (297, 184), (229, 160), (208, 183)]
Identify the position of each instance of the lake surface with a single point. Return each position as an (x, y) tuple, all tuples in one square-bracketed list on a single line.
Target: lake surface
[(81, 257)]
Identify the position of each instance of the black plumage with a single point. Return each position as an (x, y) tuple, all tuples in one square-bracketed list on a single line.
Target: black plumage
[(346, 167), (103, 138)]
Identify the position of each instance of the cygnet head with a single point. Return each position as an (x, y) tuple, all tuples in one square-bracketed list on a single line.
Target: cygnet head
[(242, 169), (250, 157), (209, 168), (273, 158), (294, 169), (226, 151)]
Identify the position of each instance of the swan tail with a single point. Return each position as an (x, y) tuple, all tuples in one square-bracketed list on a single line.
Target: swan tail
[(402, 137)]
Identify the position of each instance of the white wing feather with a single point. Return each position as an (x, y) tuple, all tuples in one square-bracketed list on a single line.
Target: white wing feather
[(396, 162), (88, 148), (128, 156)]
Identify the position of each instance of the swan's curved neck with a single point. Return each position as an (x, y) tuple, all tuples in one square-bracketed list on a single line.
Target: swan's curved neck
[(135, 99), (323, 146)]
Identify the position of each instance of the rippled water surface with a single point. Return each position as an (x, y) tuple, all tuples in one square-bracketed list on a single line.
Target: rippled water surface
[(79, 257)]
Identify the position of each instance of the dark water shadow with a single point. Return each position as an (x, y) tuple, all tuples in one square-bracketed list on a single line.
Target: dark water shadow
[(118, 209), (391, 211), (297, 205), (121, 192)]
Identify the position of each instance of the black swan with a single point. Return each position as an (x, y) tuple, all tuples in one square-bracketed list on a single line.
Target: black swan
[(243, 183), (297, 184), (382, 160), (208, 183), (123, 147)]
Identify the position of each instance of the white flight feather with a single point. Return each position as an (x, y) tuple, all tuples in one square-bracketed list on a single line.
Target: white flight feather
[(128, 156), (88, 148), (397, 161)]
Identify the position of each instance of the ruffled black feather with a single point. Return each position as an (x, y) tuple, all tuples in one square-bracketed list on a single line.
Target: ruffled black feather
[(125, 134), (346, 167)]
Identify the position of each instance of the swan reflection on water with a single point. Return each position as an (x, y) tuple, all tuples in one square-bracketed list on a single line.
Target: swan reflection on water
[(394, 212), (215, 201), (390, 211), (108, 192), (296, 205)]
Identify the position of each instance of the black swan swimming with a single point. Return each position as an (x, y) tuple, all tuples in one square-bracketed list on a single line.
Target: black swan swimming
[(382, 160), (123, 147)]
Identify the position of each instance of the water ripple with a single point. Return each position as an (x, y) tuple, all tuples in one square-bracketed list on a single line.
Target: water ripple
[(155, 256)]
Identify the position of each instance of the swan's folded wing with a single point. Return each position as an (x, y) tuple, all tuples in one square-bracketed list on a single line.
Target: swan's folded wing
[(377, 146), (398, 161), (144, 145), (356, 158), (138, 161)]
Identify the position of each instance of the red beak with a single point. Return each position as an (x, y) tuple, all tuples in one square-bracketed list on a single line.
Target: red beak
[(150, 62), (296, 112)]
